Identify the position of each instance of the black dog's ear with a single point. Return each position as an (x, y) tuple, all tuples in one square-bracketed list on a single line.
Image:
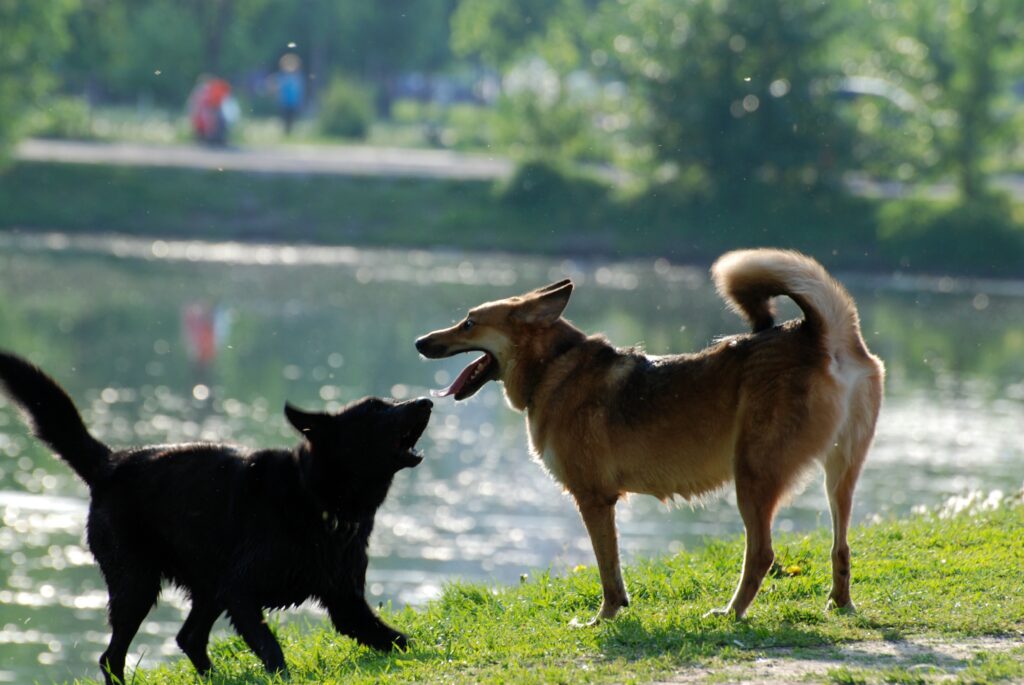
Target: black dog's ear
[(303, 421), (546, 304)]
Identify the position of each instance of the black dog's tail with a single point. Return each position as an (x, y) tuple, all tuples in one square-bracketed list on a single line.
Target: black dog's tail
[(53, 417)]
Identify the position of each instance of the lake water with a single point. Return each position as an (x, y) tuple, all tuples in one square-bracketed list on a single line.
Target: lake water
[(164, 341)]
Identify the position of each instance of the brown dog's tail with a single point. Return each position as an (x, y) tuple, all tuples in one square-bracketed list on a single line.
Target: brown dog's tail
[(749, 279), (53, 416)]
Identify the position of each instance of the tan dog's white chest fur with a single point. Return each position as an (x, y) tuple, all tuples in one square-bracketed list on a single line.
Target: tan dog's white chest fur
[(544, 453)]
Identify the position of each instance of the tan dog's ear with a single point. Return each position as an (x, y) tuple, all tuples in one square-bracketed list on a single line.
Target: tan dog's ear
[(544, 305), (553, 286)]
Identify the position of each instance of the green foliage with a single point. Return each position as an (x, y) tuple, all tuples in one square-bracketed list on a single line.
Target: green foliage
[(735, 88), (501, 32), (457, 126), (157, 55), (954, 59), (60, 117), (541, 183), (33, 35), (980, 236), (346, 109), (546, 125), (994, 668), (119, 46)]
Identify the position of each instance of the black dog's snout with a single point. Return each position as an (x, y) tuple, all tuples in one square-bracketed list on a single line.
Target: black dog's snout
[(423, 403)]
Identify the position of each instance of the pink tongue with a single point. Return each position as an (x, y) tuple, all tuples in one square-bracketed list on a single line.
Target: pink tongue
[(461, 380)]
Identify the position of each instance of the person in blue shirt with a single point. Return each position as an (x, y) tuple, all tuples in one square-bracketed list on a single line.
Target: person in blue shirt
[(290, 89)]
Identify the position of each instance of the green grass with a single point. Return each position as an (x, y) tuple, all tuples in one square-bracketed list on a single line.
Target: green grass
[(943, 578), (215, 205), (540, 210), (981, 668), (577, 217)]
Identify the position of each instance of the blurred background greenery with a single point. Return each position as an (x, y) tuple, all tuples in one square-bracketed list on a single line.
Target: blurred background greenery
[(888, 130)]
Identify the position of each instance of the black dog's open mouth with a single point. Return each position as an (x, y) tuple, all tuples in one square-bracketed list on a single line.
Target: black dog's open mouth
[(412, 432), (472, 378)]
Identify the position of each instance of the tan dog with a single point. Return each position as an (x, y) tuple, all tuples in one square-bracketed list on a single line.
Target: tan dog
[(759, 408)]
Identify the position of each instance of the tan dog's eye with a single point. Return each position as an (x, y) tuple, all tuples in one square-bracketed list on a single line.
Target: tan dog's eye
[(468, 324)]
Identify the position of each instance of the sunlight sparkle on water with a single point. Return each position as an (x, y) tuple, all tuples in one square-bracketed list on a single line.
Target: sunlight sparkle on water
[(320, 326)]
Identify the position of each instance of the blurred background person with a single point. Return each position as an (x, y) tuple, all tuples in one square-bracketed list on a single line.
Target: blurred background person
[(212, 110), (290, 89)]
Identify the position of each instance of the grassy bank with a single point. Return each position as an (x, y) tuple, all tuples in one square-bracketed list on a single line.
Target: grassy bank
[(537, 212), (950, 579)]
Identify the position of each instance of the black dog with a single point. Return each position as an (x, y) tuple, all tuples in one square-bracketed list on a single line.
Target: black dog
[(238, 530)]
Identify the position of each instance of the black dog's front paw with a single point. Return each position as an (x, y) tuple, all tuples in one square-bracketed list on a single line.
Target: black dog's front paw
[(388, 641), (398, 641)]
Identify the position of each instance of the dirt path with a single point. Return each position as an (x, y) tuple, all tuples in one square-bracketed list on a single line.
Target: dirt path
[(930, 660), (297, 159), (359, 160)]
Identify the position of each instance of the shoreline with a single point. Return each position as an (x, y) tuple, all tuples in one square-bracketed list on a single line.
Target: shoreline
[(247, 252), (581, 221)]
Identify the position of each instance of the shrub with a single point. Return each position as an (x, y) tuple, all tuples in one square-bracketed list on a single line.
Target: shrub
[(528, 124), (61, 117), (983, 236), (541, 182), (468, 126), (346, 109)]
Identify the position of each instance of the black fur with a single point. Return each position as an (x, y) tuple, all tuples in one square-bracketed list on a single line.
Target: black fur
[(239, 530)]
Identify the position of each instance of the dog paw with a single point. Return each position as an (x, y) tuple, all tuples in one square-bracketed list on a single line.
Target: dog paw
[(391, 641), (400, 641), (607, 613), (835, 607), (577, 623), (721, 611)]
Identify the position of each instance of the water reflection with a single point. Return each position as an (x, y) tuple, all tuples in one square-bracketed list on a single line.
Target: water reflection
[(322, 326)]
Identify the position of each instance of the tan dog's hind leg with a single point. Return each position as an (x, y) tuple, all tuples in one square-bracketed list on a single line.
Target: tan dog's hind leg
[(599, 517), (840, 478), (757, 496), (842, 467)]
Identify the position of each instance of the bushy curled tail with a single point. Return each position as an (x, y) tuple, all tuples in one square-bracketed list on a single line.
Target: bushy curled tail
[(749, 279), (53, 417)]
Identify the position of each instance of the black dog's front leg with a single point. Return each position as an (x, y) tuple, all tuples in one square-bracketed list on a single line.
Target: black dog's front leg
[(352, 616), (248, 620), (195, 633)]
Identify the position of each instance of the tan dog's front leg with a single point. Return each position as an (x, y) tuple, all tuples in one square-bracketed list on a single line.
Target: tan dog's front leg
[(599, 517)]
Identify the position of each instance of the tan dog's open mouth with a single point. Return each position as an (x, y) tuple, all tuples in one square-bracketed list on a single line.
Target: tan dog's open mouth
[(472, 378)]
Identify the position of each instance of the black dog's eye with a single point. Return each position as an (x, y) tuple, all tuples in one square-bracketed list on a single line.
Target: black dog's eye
[(468, 324)]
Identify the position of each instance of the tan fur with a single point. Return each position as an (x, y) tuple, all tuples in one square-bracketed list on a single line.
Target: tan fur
[(758, 409)]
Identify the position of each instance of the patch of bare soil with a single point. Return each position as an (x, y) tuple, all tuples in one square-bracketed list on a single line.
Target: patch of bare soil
[(933, 659)]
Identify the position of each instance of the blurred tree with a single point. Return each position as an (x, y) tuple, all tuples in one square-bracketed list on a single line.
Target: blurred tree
[(955, 57), (729, 91), (388, 37), (132, 49), (735, 90), (32, 35), (538, 44), (502, 32)]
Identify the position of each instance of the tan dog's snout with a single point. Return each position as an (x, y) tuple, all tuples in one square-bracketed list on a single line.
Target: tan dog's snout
[(430, 348)]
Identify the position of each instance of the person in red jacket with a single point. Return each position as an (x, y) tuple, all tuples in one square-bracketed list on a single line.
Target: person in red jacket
[(207, 107)]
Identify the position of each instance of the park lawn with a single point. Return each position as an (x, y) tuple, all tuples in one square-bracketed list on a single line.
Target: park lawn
[(949, 578)]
